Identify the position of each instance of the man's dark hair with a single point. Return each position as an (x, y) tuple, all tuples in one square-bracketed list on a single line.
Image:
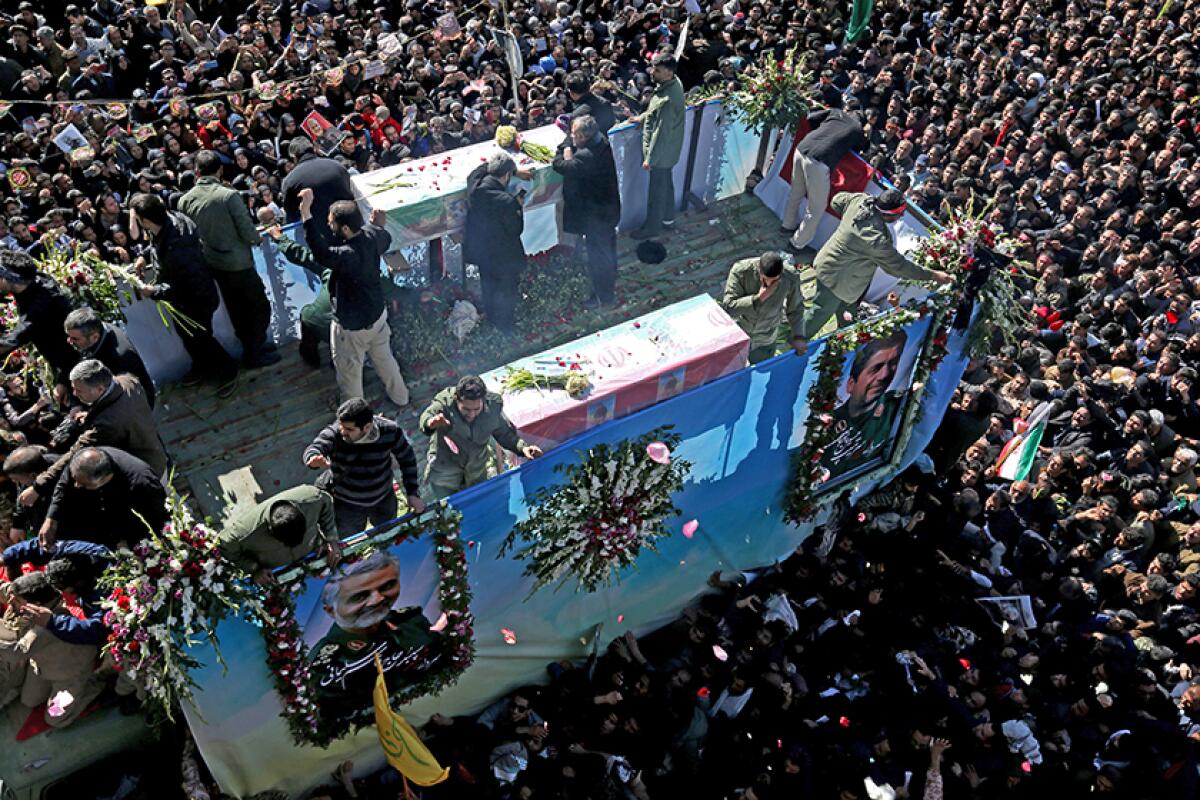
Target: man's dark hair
[(356, 411), (85, 320), (770, 264), (207, 163), (149, 207), (299, 146), (92, 464), (34, 588), (864, 353), (577, 83), (63, 574), (19, 263), (666, 61), (470, 387), (286, 523), (27, 460), (346, 212)]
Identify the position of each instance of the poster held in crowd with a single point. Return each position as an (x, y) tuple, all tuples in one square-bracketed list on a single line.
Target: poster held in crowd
[(325, 136), (1015, 611)]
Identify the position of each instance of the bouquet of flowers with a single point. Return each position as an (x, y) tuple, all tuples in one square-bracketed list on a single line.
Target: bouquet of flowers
[(167, 596), (612, 506), (508, 139), (955, 249), (88, 279), (773, 95), (574, 382)]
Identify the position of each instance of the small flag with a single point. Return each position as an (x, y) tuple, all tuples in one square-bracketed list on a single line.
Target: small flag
[(404, 749), (1017, 457)]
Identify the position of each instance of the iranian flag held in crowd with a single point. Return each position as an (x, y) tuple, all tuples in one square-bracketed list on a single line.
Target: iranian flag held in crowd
[(1017, 457)]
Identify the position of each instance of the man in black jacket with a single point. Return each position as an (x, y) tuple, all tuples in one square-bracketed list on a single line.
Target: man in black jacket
[(184, 280), (41, 307), (585, 103), (358, 450), (492, 238), (360, 326), (106, 496), (108, 344), (833, 134), (328, 180), (591, 201)]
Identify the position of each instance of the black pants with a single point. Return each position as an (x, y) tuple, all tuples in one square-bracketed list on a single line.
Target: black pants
[(311, 337), (500, 287), (352, 519), (660, 200), (209, 358), (600, 239), (248, 307)]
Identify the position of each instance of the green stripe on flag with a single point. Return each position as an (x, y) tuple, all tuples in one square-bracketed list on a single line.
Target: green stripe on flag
[(1029, 452), (860, 19)]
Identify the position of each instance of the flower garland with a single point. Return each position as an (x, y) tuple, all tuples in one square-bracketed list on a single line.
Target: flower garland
[(167, 595), (612, 505), (954, 249), (287, 655), (773, 95)]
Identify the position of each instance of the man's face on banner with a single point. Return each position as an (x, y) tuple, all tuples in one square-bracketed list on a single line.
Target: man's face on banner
[(363, 601), (876, 376)]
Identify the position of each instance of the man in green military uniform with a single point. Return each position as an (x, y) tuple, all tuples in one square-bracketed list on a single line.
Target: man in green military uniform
[(757, 292), (280, 531), (847, 261), (461, 423), (227, 233), (317, 316), (864, 422), (662, 143), (359, 597)]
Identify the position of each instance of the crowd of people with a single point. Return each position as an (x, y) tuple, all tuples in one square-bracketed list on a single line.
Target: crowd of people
[(885, 668)]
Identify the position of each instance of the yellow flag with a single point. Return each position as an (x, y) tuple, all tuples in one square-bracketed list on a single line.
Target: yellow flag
[(403, 747)]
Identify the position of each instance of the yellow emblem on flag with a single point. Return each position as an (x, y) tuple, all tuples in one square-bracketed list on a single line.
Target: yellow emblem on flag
[(404, 749)]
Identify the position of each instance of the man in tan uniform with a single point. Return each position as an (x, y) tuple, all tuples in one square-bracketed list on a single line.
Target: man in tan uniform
[(55, 666)]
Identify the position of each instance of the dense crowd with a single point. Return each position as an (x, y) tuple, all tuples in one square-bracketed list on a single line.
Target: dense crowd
[(867, 672)]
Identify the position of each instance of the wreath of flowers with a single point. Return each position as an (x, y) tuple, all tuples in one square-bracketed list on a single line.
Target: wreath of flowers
[(287, 654), (167, 595), (611, 507), (773, 95)]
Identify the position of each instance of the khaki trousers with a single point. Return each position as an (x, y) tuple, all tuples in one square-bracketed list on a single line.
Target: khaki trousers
[(810, 179), (351, 348)]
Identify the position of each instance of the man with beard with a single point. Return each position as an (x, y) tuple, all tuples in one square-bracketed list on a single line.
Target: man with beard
[(280, 531), (359, 597), (864, 422)]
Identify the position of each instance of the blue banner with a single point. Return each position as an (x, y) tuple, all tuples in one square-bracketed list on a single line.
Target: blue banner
[(738, 432)]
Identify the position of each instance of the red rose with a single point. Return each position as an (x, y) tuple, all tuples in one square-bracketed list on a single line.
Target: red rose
[(123, 602)]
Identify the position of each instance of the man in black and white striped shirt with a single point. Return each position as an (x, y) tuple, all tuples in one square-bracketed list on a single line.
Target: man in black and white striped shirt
[(358, 450)]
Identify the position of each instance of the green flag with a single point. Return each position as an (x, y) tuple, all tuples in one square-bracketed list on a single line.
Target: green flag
[(860, 19)]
